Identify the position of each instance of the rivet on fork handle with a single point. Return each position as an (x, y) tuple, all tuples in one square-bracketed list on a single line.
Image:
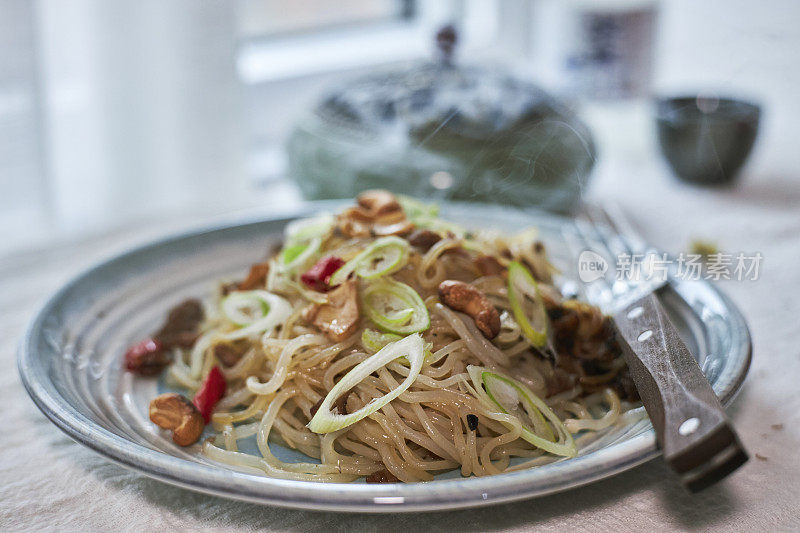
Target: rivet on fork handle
[(695, 435)]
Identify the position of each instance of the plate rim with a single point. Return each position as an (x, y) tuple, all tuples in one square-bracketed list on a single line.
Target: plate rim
[(460, 493)]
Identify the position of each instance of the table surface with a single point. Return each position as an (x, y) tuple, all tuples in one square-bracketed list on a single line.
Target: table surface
[(49, 482)]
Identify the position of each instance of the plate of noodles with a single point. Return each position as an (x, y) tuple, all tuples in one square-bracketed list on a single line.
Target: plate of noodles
[(378, 355)]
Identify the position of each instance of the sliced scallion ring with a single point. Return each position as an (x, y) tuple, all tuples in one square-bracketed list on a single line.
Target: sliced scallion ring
[(242, 308), (375, 340), (527, 304), (290, 253), (415, 209), (426, 216), (507, 394), (410, 348), (381, 258), (297, 255), (398, 317), (395, 307), (302, 231)]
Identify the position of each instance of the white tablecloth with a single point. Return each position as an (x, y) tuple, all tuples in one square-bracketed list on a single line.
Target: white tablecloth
[(49, 482)]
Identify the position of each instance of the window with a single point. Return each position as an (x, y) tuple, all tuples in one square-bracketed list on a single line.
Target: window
[(97, 128), (258, 19), (281, 42)]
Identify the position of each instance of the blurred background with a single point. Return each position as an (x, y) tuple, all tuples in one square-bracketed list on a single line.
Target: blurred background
[(124, 113)]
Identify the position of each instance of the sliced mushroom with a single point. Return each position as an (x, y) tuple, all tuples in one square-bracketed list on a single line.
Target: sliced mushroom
[(147, 358), (398, 228), (256, 278), (338, 318), (424, 239), (174, 411), (378, 213), (466, 298), (351, 228), (358, 214), (180, 328), (229, 353), (378, 202), (488, 265)]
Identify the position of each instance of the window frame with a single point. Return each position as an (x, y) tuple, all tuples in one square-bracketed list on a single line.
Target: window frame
[(329, 50)]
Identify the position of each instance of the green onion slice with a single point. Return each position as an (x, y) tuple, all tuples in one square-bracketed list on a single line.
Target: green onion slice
[(536, 418), (426, 216), (297, 255), (381, 258), (410, 348), (415, 209), (302, 231), (375, 340), (290, 253), (254, 312), (303, 241), (527, 304), (395, 307), (244, 307)]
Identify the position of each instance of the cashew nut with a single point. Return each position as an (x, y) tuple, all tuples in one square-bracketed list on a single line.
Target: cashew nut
[(466, 298), (173, 411)]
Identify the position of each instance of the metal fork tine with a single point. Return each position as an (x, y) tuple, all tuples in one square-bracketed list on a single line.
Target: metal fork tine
[(635, 243), (575, 249), (611, 237), (629, 242), (621, 225), (630, 239), (610, 240), (599, 292)]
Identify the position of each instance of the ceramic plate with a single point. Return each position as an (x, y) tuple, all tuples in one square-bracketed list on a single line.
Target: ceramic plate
[(70, 361)]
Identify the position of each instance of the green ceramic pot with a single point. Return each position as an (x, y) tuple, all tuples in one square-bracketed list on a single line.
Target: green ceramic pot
[(706, 140)]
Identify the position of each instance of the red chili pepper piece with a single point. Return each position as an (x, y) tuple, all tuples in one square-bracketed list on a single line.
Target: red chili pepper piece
[(147, 357), (320, 274), (212, 389)]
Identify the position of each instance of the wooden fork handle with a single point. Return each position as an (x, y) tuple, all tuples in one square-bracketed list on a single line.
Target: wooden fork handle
[(696, 436)]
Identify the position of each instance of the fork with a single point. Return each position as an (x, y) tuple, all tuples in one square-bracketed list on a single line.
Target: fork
[(696, 436)]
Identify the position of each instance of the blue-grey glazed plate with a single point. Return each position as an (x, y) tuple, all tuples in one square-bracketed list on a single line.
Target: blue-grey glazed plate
[(70, 361)]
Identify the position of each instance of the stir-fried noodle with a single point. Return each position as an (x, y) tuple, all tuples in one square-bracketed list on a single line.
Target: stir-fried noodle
[(385, 342)]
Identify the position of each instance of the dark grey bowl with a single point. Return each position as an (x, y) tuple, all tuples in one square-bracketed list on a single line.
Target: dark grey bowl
[(706, 139)]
